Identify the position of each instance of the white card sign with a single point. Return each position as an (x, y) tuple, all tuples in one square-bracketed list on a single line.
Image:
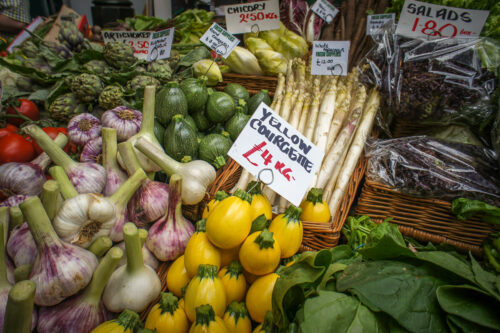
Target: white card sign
[(252, 17), (325, 10), (330, 57), (160, 44), (138, 40), (219, 40), (421, 19), (277, 154), (376, 21)]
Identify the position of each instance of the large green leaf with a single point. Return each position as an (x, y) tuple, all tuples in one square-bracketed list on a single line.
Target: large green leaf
[(405, 292), (332, 312), (460, 325), (450, 263), (485, 279), (385, 242), (470, 303), (296, 283)]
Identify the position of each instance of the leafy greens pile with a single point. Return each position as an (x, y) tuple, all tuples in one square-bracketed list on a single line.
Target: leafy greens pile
[(386, 287)]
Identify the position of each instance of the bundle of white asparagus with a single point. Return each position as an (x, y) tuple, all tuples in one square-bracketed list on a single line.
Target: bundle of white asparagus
[(336, 113)]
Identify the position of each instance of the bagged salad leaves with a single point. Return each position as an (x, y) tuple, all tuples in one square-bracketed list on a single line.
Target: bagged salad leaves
[(426, 167), (439, 81)]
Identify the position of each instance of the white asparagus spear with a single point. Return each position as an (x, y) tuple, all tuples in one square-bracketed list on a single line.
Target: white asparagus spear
[(313, 112), (355, 150), (326, 112), (344, 101)]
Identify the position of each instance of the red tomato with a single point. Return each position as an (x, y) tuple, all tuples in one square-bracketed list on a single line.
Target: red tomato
[(53, 132), (3, 53), (27, 108), (15, 148), (9, 129)]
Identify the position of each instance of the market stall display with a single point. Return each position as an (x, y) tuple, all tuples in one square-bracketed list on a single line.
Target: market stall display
[(121, 210)]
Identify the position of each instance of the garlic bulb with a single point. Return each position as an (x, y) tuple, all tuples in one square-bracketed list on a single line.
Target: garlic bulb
[(84, 127), (125, 121), (21, 246), (60, 269)]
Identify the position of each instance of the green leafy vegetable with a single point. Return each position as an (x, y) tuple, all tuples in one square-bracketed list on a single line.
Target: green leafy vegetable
[(465, 208)]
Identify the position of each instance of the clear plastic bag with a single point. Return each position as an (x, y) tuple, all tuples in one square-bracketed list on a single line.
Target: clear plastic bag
[(440, 81), (426, 167)]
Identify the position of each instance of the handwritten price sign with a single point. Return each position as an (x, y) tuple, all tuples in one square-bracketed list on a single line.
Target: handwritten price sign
[(330, 57), (420, 19), (325, 10), (219, 40), (277, 154), (138, 40), (252, 17)]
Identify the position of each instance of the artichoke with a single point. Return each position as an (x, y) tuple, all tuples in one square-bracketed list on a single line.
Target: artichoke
[(141, 81), (96, 67), (64, 107), (160, 70), (59, 49), (86, 87), (111, 97), (39, 63), (70, 36), (118, 54), (29, 49), (24, 83)]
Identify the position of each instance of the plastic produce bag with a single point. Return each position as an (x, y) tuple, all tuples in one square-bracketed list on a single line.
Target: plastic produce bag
[(439, 81), (426, 167)]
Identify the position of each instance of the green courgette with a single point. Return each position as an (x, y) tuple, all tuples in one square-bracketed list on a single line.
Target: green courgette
[(201, 120), (214, 147), (170, 101), (237, 91), (255, 100), (196, 93), (220, 107), (235, 125), (180, 140), (159, 130)]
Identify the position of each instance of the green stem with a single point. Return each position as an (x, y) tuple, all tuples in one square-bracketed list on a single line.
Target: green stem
[(57, 155), (18, 115), (16, 217), (103, 272), (254, 188), (237, 310), (22, 272), (206, 271), (234, 269), (133, 248), (128, 319), (129, 158), (39, 222), (243, 195), (68, 191), (260, 223), (219, 162), (4, 224), (220, 195), (143, 236), (49, 196), (201, 225), (158, 156), (265, 239), (204, 315), (125, 192), (168, 303), (43, 160), (109, 149), (19, 309), (148, 111), (315, 195), (100, 246), (293, 213)]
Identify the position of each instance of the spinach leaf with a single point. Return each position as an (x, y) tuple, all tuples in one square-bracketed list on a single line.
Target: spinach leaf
[(385, 242), (332, 312), (465, 208), (450, 263), (457, 324), (296, 283), (469, 303), (405, 292), (485, 279)]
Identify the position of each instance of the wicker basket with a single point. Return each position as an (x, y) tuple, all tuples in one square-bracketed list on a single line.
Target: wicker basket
[(319, 236), (423, 219), (253, 83)]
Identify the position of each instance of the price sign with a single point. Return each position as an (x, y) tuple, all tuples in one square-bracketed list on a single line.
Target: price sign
[(252, 17), (375, 22), (219, 40), (277, 154), (325, 10), (138, 40), (330, 57), (160, 44), (421, 19)]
